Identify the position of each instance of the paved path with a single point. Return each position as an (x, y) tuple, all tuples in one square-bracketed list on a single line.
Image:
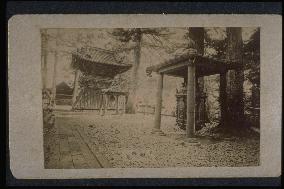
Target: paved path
[(68, 147), (86, 140)]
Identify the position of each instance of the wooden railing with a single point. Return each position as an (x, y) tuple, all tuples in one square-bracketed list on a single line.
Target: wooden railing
[(90, 99), (150, 109)]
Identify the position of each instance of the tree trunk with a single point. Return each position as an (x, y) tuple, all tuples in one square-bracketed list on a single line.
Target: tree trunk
[(235, 78), (131, 102), (196, 35), (44, 68), (44, 58), (54, 75), (55, 69)]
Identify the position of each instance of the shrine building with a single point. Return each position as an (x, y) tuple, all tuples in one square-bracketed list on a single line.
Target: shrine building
[(98, 96)]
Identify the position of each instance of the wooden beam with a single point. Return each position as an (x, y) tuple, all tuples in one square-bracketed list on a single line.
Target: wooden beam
[(174, 75), (172, 68)]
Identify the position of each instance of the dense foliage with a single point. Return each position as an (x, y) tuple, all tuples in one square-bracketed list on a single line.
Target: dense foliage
[(252, 58)]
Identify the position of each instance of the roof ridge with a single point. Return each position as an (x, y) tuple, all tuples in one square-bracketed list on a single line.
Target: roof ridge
[(101, 49), (99, 55)]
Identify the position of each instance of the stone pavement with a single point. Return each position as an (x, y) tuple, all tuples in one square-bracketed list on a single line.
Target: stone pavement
[(67, 147)]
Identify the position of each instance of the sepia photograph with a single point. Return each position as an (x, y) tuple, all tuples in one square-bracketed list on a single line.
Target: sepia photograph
[(151, 97), (145, 96)]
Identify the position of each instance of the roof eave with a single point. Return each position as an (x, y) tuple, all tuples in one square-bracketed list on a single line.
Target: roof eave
[(197, 57)]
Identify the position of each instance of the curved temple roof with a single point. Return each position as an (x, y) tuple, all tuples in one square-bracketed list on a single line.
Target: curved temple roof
[(98, 61)]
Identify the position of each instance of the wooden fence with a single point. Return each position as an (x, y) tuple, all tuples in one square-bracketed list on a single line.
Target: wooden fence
[(150, 109), (107, 102)]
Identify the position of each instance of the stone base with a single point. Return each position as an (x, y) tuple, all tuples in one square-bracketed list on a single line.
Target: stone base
[(191, 140), (158, 132)]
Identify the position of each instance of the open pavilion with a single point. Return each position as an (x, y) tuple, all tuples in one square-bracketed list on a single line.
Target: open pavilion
[(190, 66)]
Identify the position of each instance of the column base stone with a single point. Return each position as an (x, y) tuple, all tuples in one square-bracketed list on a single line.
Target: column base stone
[(158, 132), (192, 140)]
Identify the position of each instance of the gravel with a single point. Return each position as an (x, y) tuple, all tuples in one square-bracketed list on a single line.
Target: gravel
[(126, 141)]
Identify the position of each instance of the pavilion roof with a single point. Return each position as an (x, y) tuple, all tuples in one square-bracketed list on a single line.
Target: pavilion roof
[(205, 65), (98, 61)]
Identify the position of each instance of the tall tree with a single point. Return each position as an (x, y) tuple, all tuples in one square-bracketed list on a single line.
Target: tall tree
[(135, 36), (252, 57), (44, 41), (55, 66), (235, 78), (252, 64), (215, 39), (195, 37)]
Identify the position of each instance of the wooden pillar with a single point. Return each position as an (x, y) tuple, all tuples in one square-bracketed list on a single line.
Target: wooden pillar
[(197, 104), (223, 98), (116, 104), (124, 103), (85, 98), (158, 108), (190, 111), (92, 99), (106, 104), (102, 104), (75, 90), (88, 99)]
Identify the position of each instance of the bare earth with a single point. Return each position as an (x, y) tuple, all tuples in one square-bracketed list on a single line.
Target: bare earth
[(120, 141)]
